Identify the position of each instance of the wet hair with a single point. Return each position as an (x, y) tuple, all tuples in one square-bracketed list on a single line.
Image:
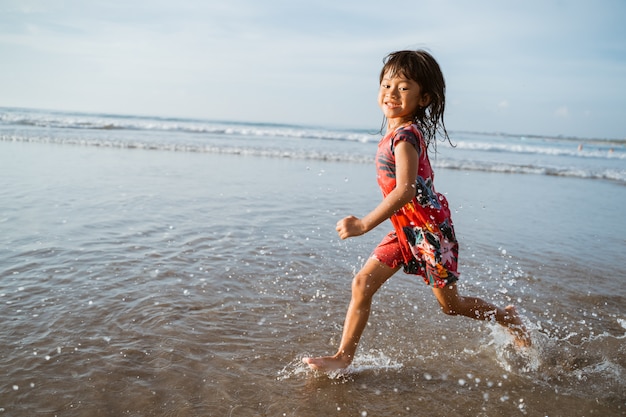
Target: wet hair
[(421, 67)]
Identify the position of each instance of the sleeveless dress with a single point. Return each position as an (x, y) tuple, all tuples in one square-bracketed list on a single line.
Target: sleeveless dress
[(424, 238)]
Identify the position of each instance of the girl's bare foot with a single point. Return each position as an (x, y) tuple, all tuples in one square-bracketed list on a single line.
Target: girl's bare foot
[(327, 363), (516, 327)]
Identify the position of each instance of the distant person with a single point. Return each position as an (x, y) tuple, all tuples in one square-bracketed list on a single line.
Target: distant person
[(412, 99)]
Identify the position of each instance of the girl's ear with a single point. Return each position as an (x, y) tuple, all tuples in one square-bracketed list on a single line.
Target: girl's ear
[(425, 100)]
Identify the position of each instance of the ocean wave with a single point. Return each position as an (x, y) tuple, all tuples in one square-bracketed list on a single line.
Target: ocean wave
[(598, 150), (470, 141), (189, 147), (136, 123), (616, 175)]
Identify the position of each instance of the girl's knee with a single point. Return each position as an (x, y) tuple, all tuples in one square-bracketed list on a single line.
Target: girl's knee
[(448, 310), (449, 300), (369, 279), (361, 286), (451, 306), (359, 283)]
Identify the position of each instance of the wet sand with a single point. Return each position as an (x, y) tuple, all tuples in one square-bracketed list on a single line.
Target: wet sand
[(147, 283)]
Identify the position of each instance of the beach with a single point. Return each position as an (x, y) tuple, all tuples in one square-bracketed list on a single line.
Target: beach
[(162, 272)]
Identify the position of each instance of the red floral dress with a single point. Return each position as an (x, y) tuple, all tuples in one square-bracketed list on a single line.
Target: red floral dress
[(423, 227)]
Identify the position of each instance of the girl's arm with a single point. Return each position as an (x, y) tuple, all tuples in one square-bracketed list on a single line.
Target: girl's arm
[(406, 172)]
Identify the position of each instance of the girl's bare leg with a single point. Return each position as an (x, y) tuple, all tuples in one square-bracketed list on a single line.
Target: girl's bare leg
[(364, 285), (454, 304)]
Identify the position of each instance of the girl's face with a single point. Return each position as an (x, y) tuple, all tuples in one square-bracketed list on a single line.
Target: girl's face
[(399, 98)]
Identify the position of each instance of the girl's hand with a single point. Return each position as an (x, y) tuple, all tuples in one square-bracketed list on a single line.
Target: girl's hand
[(349, 227)]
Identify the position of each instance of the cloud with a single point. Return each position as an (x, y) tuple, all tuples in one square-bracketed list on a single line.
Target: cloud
[(562, 112)]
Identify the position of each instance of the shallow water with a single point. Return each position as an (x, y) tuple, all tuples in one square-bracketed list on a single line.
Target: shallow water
[(141, 283)]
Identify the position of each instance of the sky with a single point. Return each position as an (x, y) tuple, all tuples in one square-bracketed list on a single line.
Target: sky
[(535, 67)]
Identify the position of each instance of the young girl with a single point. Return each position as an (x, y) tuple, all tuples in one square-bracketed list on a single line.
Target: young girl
[(412, 98)]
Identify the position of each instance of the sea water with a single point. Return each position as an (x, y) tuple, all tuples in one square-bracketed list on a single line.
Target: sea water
[(155, 266)]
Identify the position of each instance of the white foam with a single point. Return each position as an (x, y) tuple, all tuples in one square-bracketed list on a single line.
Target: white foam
[(371, 361), (511, 358), (301, 142)]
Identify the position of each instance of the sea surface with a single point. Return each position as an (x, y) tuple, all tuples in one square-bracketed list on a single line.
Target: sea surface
[(172, 267)]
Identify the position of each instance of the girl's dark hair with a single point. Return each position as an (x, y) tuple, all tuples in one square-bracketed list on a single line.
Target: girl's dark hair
[(422, 68)]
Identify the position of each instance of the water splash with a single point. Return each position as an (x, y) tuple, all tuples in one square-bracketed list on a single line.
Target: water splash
[(371, 361), (584, 366)]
